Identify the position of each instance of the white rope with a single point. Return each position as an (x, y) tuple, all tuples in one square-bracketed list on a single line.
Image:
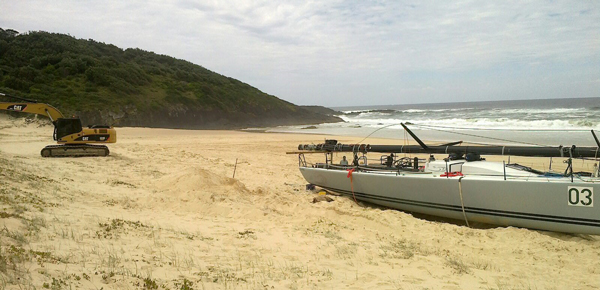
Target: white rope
[(461, 200)]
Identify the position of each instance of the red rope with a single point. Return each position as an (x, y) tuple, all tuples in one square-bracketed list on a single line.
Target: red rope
[(351, 183)]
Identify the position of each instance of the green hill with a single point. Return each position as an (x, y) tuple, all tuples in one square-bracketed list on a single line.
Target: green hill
[(105, 84)]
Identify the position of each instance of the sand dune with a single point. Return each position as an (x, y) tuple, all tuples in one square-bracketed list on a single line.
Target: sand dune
[(163, 212)]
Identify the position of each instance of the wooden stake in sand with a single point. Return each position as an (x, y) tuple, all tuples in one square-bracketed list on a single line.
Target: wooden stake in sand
[(234, 168)]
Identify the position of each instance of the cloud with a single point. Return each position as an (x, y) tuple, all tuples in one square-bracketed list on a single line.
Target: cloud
[(337, 51)]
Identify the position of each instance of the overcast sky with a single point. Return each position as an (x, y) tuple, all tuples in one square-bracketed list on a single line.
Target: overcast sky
[(341, 53)]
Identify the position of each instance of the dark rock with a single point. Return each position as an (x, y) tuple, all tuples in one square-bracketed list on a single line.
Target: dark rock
[(322, 198)]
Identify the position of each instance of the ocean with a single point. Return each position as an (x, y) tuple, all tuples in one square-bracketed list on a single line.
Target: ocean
[(547, 122)]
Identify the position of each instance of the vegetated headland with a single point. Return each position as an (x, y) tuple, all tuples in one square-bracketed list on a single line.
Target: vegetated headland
[(105, 84)]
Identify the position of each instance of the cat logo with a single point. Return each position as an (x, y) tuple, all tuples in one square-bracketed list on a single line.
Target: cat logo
[(18, 108)]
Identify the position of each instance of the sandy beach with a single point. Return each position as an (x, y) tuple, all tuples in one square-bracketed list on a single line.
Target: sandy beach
[(163, 212)]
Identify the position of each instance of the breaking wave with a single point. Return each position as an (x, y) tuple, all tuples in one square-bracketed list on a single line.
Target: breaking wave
[(535, 121), (481, 118)]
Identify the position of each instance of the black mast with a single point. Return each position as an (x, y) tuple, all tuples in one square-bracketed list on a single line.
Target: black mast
[(532, 151)]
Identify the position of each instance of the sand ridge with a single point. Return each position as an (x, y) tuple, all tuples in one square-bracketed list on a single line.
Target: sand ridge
[(163, 212)]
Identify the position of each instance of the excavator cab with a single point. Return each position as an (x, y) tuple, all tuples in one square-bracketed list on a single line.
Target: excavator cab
[(66, 126)]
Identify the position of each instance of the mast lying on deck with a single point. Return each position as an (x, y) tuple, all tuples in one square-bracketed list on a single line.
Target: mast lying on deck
[(560, 151), (532, 151)]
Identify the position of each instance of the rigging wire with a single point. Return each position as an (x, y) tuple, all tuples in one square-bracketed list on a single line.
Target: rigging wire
[(458, 133), (479, 136), (359, 142), (500, 129)]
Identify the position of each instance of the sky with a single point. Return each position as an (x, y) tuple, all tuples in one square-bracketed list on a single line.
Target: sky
[(353, 53)]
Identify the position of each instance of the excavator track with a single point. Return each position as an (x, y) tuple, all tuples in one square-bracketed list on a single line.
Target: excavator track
[(82, 150)]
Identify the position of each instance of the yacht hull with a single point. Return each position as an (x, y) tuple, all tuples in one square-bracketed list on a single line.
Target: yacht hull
[(544, 203)]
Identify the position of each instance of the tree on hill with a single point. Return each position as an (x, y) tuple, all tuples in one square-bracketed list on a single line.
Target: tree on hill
[(133, 87)]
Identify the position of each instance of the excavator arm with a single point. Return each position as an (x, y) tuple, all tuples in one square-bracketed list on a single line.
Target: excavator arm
[(32, 107)]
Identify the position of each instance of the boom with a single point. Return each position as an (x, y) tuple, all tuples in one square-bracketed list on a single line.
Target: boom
[(32, 107)]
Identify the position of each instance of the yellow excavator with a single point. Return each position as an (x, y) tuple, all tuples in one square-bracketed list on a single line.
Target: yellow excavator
[(74, 140)]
